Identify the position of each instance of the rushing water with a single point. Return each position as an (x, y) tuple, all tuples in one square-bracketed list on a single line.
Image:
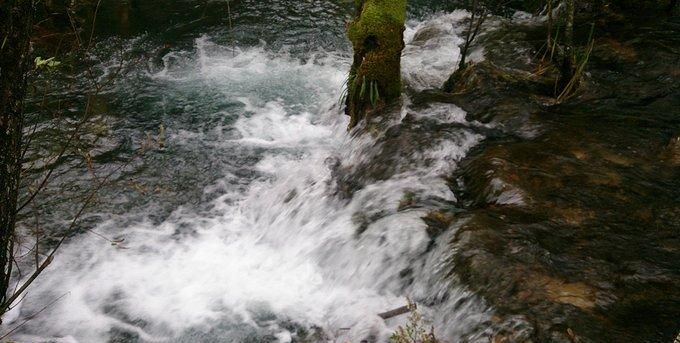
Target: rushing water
[(243, 236)]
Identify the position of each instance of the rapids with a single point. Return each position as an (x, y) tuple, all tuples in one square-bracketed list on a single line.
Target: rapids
[(244, 237)]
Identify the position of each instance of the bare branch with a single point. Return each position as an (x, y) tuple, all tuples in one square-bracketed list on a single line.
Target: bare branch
[(33, 316)]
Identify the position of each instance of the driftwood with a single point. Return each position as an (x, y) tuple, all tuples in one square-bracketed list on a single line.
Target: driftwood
[(396, 312)]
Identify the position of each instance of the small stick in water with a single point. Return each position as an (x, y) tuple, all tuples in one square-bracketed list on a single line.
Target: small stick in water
[(396, 311)]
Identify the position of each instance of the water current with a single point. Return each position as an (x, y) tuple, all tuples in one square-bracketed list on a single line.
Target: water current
[(243, 236)]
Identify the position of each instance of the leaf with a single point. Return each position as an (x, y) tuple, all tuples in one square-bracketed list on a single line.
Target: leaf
[(363, 89), (49, 63), (377, 93)]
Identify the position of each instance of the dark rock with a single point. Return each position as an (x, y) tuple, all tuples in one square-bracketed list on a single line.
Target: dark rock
[(572, 215)]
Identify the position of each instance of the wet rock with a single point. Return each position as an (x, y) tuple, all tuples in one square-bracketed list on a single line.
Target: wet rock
[(560, 255), (515, 329), (438, 222), (572, 213), (398, 148), (427, 33), (577, 294), (671, 153), (609, 50)]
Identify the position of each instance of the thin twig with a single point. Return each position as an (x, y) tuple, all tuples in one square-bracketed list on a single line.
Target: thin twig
[(87, 112), (33, 315), (63, 150), (50, 257), (229, 14), (94, 24)]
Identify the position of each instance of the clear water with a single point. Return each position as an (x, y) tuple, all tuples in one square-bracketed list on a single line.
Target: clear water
[(243, 237)]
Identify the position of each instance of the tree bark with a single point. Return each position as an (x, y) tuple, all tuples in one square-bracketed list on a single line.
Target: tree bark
[(377, 35), (16, 17)]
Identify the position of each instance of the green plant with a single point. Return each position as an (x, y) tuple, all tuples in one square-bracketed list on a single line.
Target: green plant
[(49, 63), (374, 93), (350, 86), (570, 87), (346, 88), (414, 331)]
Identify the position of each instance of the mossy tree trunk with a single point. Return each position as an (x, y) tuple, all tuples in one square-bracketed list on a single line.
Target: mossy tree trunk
[(376, 34), (16, 17)]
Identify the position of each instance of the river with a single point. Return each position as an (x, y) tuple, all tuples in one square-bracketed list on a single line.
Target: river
[(241, 234), (238, 207)]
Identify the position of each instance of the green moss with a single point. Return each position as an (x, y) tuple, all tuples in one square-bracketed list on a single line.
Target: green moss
[(378, 17), (377, 37)]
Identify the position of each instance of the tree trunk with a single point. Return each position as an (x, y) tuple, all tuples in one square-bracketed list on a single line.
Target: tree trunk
[(377, 35), (16, 17), (569, 59), (548, 41)]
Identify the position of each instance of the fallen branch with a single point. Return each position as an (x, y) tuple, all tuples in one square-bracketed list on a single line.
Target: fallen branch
[(396, 312)]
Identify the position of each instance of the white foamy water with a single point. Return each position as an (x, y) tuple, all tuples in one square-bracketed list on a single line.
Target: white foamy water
[(282, 252), (431, 51)]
